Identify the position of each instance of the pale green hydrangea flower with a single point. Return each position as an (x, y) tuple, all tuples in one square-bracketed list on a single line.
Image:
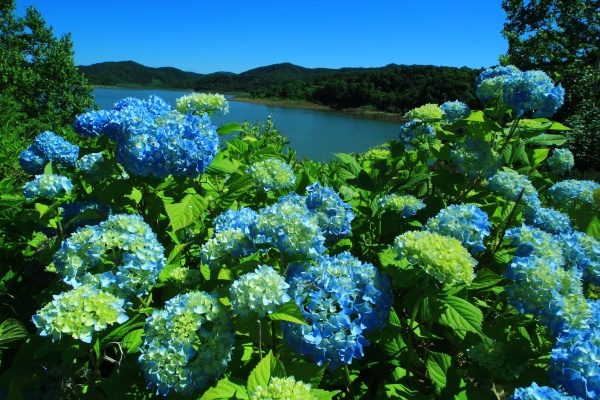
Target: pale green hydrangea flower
[(272, 173), (79, 313), (283, 388), (375, 154), (406, 204), (442, 257), (200, 103), (183, 277), (428, 112), (261, 291), (491, 354)]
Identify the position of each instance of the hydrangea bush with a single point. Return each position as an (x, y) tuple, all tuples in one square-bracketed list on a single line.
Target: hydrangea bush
[(159, 260)]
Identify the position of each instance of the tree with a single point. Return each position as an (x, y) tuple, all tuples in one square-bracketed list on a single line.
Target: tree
[(562, 38), (37, 71)]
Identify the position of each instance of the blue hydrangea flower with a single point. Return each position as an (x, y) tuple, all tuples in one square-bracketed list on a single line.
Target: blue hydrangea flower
[(272, 173), (572, 193), (261, 291), (200, 103), (341, 299), (442, 257), (91, 165), (91, 124), (474, 157), (561, 161), (583, 252), (543, 288), (48, 186), (535, 392), (79, 313), (120, 123), (178, 146), (186, 344), (226, 243), (548, 219), (509, 184), (454, 111), (489, 83), (408, 205), (333, 215), (155, 105), (465, 222), (574, 363), (137, 255), (242, 219), (416, 130), (291, 227), (47, 147), (534, 241)]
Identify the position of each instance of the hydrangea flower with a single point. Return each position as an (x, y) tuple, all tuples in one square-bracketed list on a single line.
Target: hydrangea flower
[(532, 91), (242, 219), (91, 165), (138, 256), (474, 157), (226, 243), (261, 291), (79, 313), (272, 173), (442, 257), (574, 365), (291, 227), (186, 344), (91, 124), (407, 204), (72, 210), (534, 241), (129, 118), (548, 219), (489, 83), (454, 111), (48, 147), (583, 252), (465, 222), (183, 277), (333, 215), (283, 388), (509, 184), (492, 355), (48, 186), (179, 148), (535, 392), (155, 105), (426, 113), (376, 154), (416, 130), (561, 161), (341, 299), (200, 103), (543, 288), (572, 193)]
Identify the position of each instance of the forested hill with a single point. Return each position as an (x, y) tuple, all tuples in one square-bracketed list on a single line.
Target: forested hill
[(395, 88)]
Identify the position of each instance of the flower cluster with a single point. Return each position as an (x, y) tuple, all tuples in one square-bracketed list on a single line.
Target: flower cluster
[(121, 255), (548, 219), (454, 111), (92, 166), (229, 242), (79, 313), (272, 173), (91, 124), (572, 193), (534, 241), (426, 113), (509, 184), (416, 130), (96, 210), (183, 277), (48, 186), (341, 299), (561, 161), (465, 222), (407, 204), (186, 344), (535, 392), (442, 257), (261, 291), (530, 91), (473, 157), (48, 147), (283, 388), (492, 355), (543, 288), (583, 252), (375, 154), (200, 103)]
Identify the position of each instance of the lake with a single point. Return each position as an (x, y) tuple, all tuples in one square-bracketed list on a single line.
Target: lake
[(312, 133)]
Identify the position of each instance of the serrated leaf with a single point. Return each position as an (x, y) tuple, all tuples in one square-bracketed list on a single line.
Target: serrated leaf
[(306, 372), (133, 340), (437, 368), (229, 128), (264, 370), (593, 229), (184, 213), (461, 315), (11, 330), (547, 140), (558, 127), (225, 389), (290, 312), (324, 394), (221, 166), (350, 162)]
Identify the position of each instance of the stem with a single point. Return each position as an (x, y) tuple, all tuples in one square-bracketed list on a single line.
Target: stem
[(510, 216), (466, 192), (512, 131), (411, 328), (259, 339), (348, 381)]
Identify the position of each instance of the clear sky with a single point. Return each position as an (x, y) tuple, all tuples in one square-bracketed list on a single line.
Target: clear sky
[(239, 35)]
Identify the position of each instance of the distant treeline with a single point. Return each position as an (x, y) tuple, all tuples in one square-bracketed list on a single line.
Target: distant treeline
[(393, 88)]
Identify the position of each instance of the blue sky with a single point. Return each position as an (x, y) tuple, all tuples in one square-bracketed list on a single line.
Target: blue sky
[(237, 35)]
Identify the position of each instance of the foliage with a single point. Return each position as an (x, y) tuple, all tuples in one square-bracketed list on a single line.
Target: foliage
[(397, 274)]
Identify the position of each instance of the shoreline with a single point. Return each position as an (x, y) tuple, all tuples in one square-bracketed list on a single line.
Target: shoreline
[(351, 112)]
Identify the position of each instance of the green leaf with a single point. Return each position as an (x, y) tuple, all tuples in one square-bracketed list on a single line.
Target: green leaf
[(306, 372), (461, 315), (558, 127), (184, 213), (133, 340), (437, 367), (229, 128), (289, 312), (324, 394), (262, 373), (350, 162), (546, 140), (539, 155), (11, 330), (593, 229), (222, 166), (225, 389), (48, 169)]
